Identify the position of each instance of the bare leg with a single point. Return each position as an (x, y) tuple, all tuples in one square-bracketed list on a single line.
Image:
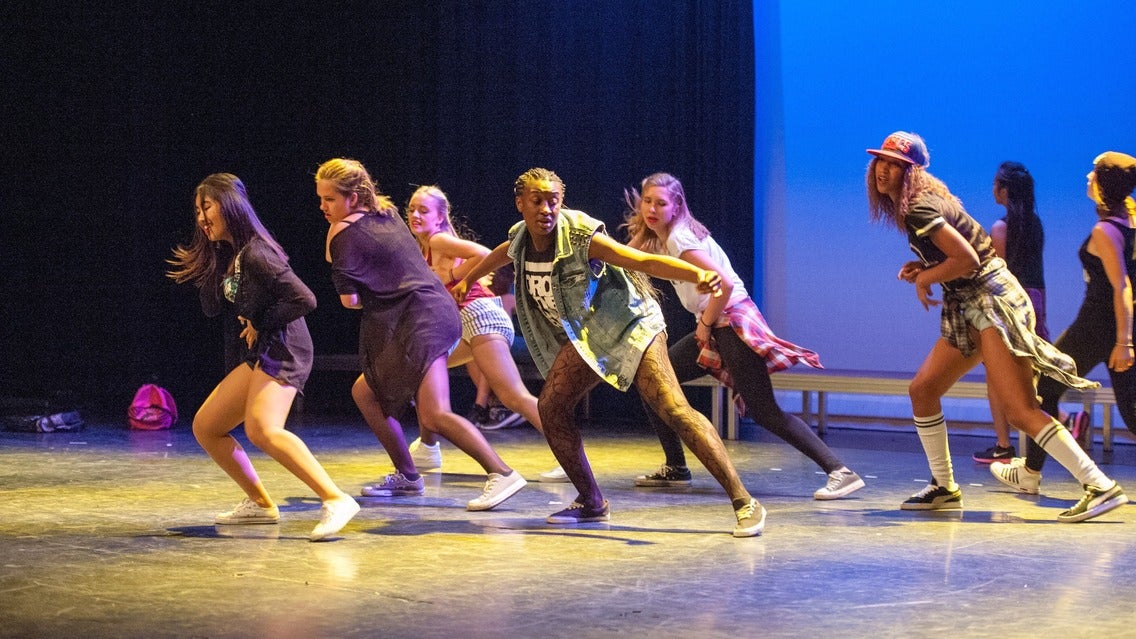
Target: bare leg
[(266, 411), (434, 414), (492, 357), (943, 366), (221, 412), (387, 429)]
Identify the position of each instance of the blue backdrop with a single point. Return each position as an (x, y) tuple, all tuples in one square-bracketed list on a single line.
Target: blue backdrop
[(1049, 84)]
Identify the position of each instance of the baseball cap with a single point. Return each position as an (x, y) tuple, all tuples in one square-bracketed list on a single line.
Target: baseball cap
[(906, 147), (1116, 174)]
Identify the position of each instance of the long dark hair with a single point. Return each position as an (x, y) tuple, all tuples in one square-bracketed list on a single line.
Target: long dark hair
[(204, 262), (1024, 234)]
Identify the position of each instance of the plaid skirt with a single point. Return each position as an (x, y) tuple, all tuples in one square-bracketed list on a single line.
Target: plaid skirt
[(996, 296)]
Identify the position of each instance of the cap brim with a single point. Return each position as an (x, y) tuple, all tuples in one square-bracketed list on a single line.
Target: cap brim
[(890, 154)]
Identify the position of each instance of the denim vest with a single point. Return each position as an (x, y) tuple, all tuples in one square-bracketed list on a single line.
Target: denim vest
[(605, 318)]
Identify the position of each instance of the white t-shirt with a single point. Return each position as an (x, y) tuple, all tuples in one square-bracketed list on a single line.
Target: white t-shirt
[(683, 239)]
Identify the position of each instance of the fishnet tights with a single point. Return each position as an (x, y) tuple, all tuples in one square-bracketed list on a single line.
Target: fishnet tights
[(570, 379)]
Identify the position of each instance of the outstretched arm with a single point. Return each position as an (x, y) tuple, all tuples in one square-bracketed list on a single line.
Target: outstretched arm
[(665, 267)]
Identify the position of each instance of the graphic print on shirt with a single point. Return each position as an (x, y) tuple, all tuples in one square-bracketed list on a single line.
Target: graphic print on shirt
[(538, 286)]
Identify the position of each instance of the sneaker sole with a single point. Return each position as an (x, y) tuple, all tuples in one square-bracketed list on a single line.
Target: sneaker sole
[(950, 505), (513, 420), (843, 492), (991, 460), (499, 499), (568, 521), (554, 480), (244, 521), (663, 483), (1101, 509), (392, 493), (426, 465)]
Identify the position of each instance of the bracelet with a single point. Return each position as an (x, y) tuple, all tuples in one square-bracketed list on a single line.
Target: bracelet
[(1126, 344), (704, 323)]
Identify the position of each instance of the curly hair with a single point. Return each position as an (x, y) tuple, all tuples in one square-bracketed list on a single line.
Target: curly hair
[(916, 182), (638, 233), (351, 177), (204, 262)]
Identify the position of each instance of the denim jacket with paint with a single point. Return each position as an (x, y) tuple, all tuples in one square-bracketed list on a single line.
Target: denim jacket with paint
[(607, 321)]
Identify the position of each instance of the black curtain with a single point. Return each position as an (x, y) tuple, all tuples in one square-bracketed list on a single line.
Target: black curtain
[(115, 111)]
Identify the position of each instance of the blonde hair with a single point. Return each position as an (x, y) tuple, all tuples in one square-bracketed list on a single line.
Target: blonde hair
[(449, 224), (638, 232), (916, 182), (351, 177)]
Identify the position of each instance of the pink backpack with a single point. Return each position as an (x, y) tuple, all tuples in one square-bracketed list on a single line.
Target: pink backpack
[(152, 408)]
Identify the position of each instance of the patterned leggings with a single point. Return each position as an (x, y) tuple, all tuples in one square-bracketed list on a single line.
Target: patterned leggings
[(570, 379), (751, 381)]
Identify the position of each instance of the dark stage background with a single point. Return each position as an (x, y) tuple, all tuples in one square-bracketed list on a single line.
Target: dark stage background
[(113, 112)]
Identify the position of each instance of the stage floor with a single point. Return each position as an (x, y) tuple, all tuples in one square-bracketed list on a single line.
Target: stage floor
[(108, 533)]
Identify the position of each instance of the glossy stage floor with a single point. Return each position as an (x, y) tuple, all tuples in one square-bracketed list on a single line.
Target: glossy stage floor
[(108, 533)]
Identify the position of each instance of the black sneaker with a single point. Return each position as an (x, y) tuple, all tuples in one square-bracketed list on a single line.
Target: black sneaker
[(577, 513), (500, 417), (995, 453), (934, 497), (478, 415), (1096, 502), (665, 477)]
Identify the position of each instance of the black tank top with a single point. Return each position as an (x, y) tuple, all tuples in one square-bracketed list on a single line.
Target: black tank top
[(1097, 287)]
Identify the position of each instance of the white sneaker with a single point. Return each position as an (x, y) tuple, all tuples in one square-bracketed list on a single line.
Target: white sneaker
[(425, 456), (334, 515), (498, 488), (554, 476), (1015, 475), (840, 484), (248, 512), (395, 485)]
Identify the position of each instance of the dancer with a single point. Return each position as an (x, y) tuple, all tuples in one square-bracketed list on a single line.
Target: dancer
[(232, 258), (588, 317), (1102, 331), (986, 317), (408, 327), (1019, 239), (732, 342), (487, 330)]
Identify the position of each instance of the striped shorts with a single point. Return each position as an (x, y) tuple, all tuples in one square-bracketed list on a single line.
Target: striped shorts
[(486, 316)]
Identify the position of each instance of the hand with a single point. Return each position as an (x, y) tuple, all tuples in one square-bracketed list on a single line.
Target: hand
[(923, 291), (702, 334), (1121, 358), (910, 271), (709, 282), (247, 331), (459, 291)]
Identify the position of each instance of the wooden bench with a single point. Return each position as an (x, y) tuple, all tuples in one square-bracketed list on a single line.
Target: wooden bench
[(822, 382)]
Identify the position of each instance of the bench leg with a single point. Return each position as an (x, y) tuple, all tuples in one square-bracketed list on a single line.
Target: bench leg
[(731, 415), (716, 407), (822, 411), (1106, 425)]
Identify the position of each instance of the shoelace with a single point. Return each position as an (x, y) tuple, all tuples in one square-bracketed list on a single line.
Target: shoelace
[(927, 490), (834, 480), (745, 512)]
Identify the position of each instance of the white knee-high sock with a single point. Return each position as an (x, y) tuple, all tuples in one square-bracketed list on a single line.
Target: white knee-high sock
[(932, 432), (1060, 445)]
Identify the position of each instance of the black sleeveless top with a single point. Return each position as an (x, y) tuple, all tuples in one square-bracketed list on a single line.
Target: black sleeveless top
[(1097, 287)]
